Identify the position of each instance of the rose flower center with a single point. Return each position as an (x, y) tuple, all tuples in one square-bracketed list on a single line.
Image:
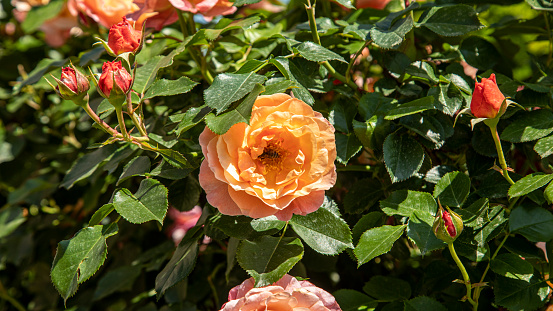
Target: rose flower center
[(273, 155)]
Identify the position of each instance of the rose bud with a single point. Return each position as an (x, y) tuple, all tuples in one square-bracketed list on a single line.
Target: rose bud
[(486, 99), (72, 84), (448, 225), (115, 80), (124, 38)]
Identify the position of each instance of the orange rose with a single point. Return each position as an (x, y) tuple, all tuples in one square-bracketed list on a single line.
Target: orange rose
[(375, 4), (106, 12), (208, 8), (123, 37), (157, 13), (287, 294), (486, 98), (281, 164)]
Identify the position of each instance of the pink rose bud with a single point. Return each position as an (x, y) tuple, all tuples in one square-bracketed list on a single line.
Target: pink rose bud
[(124, 38), (114, 77), (486, 98), (72, 84), (448, 225)]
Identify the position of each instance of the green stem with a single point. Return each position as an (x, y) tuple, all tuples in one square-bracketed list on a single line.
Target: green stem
[(465, 275), (139, 125), (502, 162), (121, 120), (186, 31), (5, 296), (478, 289), (108, 129)]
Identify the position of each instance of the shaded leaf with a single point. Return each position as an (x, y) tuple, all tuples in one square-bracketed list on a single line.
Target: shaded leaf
[(148, 203)]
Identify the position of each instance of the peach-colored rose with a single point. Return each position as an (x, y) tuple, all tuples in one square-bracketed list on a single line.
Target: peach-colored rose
[(57, 29), (123, 37), (486, 99), (106, 12), (281, 164), (182, 222), (208, 8), (375, 4), (287, 294), (157, 13)]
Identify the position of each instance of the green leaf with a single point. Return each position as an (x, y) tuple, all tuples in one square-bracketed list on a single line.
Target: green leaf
[(435, 128), (533, 222), (168, 171), (78, 258), (422, 70), (174, 158), (479, 52), (268, 258), (86, 165), (116, 280), (229, 87), (531, 125), (189, 119), (164, 87), (544, 147), (278, 87), (452, 189), (267, 223), (412, 107), (387, 38), (323, 231), (317, 53), (136, 167), (453, 20), (352, 300), (362, 195), (541, 5), (423, 303), (222, 123), (226, 24), (529, 183), (365, 130), (548, 193), (346, 3), (514, 294), (407, 203), (100, 214), (385, 288), (512, 266), (403, 156), (10, 218), (341, 116), (39, 14), (181, 263), (447, 101), (346, 147), (291, 72), (148, 203), (38, 73), (244, 2), (377, 241), (419, 230), (368, 221)]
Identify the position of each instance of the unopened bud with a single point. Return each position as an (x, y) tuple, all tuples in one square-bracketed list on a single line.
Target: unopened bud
[(448, 225), (72, 84), (115, 80)]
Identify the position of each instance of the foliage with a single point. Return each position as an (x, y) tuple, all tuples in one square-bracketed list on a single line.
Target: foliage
[(85, 215)]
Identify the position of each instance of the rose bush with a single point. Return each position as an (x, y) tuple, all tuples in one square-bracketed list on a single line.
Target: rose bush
[(287, 294), (281, 164)]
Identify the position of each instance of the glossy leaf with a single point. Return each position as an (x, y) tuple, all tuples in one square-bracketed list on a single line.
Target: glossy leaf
[(385, 288), (531, 125), (455, 20), (347, 146), (529, 183), (452, 190), (148, 203), (534, 223), (520, 294), (377, 241), (412, 107), (544, 146), (136, 167), (403, 156), (164, 87), (229, 87), (317, 53)]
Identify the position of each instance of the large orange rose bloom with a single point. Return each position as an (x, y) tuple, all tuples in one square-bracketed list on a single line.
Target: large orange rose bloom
[(287, 294), (106, 12), (281, 164)]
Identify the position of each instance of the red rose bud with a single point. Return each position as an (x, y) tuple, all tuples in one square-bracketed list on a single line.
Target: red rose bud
[(448, 225), (114, 78), (486, 98), (72, 84), (124, 38)]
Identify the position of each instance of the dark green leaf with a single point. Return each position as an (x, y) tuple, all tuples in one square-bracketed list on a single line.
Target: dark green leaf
[(78, 258), (100, 214), (317, 53), (422, 70), (529, 183), (116, 280), (148, 203), (455, 20), (542, 5), (290, 71), (164, 87), (268, 258), (323, 231), (452, 190), (435, 128), (368, 221), (377, 241), (419, 229), (181, 264), (226, 24), (447, 100), (515, 294), (512, 266), (364, 130), (86, 165), (544, 146), (346, 147), (479, 52), (403, 156), (393, 36), (136, 167), (533, 222), (531, 125), (189, 119), (423, 303), (229, 87), (407, 203), (412, 107), (10, 219), (385, 288), (352, 300), (362, 195)]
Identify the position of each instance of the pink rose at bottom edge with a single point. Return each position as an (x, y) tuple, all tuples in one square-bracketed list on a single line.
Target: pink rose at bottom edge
[(286, 294), (182, 222)]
